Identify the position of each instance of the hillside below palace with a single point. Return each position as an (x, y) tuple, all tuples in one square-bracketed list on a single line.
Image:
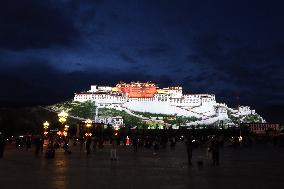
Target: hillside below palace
[(148, 97)]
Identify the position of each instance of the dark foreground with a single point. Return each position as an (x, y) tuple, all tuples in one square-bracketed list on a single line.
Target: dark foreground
[(258, 167)]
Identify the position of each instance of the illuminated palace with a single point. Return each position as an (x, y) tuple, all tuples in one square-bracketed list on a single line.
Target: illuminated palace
[(147, 97)]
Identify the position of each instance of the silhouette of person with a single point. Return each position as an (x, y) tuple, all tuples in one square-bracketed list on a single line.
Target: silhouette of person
[(17, 142), (50, 151), (88, 146), (28, 143), (135, 144), (2, 145), (215, 151), (172, 142), (189, 148), (41, 143), (95, 143), (81, 143), (113, 155), (37, 146), (66, 147), (156, 147)]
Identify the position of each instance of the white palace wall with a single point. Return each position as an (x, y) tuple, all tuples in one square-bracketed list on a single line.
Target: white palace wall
[(170, 101), (189, 105)]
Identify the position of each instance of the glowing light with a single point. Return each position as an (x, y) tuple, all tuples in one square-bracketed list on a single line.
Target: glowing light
[(45, 125), (59, 133), (64, 133), (240, 138), (116, 127), (62, 117), (66, 127), (45, 133), (88, 134), (88, 123)]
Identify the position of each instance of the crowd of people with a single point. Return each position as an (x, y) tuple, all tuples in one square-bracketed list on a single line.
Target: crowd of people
[(89, 144), (155, 143)]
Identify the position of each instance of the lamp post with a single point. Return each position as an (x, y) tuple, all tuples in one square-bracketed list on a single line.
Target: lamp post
[(88, 123), (88, 135), (45, 126), (65, 132), (62, 117)]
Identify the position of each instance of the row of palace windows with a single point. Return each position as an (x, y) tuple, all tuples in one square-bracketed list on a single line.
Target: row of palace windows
[(98, 97), (262, 127), (186, 100)]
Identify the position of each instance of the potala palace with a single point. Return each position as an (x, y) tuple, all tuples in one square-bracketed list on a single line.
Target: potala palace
[(148, 97)]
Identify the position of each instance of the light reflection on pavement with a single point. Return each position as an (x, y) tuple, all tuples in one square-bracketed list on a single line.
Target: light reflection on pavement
[(260, 166)]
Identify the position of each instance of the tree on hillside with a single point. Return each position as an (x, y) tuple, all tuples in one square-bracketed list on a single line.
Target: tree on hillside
[(85, 110)]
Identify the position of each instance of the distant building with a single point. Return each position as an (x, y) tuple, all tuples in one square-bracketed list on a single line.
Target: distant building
[(148, 97), (114, 121), (245, 110), (262, 128)]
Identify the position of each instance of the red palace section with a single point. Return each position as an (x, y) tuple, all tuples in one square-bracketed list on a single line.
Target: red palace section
[(138, 90)]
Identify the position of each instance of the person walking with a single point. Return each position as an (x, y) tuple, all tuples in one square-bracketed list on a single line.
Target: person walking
[(156, 147), (66, 147), (28, 143), (50, 151), (41, 144), (173, 142), (37, 145), (2, 144), (95, 143), (113, 155), (101, 143), (81, 143), (135, 144), (189, 148), (88, 145), (215, 151)]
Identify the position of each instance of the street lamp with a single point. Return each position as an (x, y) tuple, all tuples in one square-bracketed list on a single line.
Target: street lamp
[(62, 117), (66, 127), (45, 126), (88, 123), (65, 132), (88, 134)]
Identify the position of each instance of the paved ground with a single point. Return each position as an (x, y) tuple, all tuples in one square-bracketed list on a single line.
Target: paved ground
[(258, 167)]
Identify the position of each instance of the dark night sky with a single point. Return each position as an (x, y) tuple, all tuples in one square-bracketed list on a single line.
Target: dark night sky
[(50, 49)]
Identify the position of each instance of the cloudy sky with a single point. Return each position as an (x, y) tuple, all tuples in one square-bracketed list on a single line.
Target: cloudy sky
[(234, 48)]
